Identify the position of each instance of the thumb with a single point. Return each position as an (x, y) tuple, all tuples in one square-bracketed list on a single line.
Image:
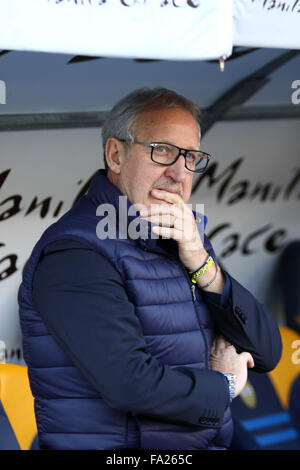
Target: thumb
[(249, 359)]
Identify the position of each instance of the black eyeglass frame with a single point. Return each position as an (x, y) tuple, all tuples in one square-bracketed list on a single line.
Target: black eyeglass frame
[(181, 151)]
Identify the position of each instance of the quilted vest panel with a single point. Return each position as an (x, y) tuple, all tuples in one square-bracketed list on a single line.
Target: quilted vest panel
[(178, 330)]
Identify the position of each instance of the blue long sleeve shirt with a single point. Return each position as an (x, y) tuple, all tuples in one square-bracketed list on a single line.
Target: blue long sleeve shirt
[(82, 300)]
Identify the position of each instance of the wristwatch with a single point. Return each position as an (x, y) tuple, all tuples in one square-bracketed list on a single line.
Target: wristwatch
[(231, 379)]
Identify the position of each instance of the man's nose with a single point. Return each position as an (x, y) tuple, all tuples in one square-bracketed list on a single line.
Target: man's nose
[(177, 171)]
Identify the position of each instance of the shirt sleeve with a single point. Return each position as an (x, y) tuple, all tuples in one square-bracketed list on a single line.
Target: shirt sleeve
[(83, 302), (244, 321), (221, 299)]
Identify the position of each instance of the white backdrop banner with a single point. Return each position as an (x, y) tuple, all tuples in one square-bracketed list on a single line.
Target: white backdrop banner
[(266, 23), (250, 194), (150, 29)]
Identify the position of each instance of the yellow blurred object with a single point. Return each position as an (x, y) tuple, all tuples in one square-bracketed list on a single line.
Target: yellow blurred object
[(288, 368), (17, 401)]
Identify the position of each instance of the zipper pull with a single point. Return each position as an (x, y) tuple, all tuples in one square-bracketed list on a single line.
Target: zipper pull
[(193, 292)]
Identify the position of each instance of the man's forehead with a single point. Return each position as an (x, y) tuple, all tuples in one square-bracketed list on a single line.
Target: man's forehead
[(161, 120)]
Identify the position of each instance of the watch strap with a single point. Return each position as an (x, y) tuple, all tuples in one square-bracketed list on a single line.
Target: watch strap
[(231, 379)]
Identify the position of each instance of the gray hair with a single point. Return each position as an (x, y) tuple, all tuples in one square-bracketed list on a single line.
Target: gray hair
[(121, 120)]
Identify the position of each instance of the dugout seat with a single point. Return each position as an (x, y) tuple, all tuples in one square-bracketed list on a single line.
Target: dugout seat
[(295, 401), (288, 368), (290, 282), (18, 429), (266, 414)]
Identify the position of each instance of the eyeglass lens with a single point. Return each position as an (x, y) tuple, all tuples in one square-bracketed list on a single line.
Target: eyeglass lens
[(167, 153)]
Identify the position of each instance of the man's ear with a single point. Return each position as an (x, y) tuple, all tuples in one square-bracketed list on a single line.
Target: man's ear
[(114, 153)]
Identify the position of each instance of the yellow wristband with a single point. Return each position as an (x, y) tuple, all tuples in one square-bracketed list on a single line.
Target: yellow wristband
[(202, 270)]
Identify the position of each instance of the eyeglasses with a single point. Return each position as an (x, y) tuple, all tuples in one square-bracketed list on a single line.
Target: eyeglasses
[(167, 154)]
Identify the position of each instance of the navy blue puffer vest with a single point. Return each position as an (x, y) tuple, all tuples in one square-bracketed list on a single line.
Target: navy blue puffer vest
[(178, 330)]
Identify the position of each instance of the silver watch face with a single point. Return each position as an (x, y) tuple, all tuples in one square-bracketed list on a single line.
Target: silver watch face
[(231, 378)]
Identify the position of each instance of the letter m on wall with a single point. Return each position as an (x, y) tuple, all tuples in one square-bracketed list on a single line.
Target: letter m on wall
[(2, 92)]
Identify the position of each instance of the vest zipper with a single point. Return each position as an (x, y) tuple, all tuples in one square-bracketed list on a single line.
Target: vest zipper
[(167, 255), (193, 287)]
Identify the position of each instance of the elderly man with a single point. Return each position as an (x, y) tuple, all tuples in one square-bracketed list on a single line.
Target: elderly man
[(139, 341)]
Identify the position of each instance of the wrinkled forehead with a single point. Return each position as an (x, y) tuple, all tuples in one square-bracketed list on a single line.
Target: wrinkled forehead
[(155, 122)]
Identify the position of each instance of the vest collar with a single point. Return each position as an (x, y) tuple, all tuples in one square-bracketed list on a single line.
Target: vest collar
[(102, 191)]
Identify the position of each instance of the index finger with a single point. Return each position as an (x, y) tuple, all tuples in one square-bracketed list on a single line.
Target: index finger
[(161, 209), (171, 198), (249, 359)]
